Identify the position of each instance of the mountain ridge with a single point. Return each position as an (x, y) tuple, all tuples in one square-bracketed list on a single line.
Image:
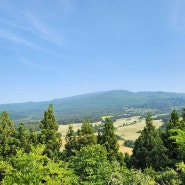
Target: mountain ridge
[(96, 104)]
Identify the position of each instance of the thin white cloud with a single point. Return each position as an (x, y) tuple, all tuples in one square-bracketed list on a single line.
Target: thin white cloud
[(17, 39), (34, 65), (14, 38), (44, 31), (15, 24)]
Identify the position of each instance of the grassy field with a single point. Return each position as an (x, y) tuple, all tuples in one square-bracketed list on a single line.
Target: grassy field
[(126, 128), (64, 128), (131, 127), (130, 130)]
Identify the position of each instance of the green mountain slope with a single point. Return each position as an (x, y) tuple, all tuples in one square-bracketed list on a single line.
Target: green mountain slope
[(95, 105)]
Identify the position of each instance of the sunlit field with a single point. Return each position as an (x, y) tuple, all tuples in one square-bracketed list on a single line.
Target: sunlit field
[(126, 128)]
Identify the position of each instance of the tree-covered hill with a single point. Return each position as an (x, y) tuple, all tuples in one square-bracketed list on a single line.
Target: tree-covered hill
[(94, 105)]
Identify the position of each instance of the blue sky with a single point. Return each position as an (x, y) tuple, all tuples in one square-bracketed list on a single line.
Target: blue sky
[(60, 48)]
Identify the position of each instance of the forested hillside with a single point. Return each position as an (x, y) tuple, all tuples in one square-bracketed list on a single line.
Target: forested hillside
[(115, 103), (35, 157)]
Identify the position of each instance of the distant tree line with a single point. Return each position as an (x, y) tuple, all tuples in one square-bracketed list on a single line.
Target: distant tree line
[(35, 157)]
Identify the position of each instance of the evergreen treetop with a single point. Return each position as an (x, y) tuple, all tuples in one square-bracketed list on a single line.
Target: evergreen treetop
[(149, 150), (50, 136), (108, 139), (8, 143)]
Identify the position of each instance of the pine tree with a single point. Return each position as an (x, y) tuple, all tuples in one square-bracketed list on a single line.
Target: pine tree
[(33, 137), (174, 124), (108, 139), (174, 121), (7, 137), (71, 142), (149, 150), (22, 138), (86, 135), (49, 134)]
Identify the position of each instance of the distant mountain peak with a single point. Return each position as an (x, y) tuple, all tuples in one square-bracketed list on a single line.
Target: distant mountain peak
[(96, 104)]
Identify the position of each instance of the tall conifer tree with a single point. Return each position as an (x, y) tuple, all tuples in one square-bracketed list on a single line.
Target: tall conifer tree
[(22, 138), (149, 150), (33, 137), (86, 135), (71, 142), (7, 136), (108, 139), (174, 124), (49, 134)]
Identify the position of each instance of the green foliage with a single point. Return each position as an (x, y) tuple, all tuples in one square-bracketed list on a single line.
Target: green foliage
[(178, 136), (33, 137), (22, 137), (35, 168), (25, 138), (7, 137), (136, 177), (169, 137), (129, 143), (123, 176), (117, 176), (49, 134), (127, 160), (149, 150), (181, 168), (71, 143), (183, 114), (169, 176), (108, 139), (91, 165), (86, 128), (174, 121), (27, 157), (86, 135), (165, 177)]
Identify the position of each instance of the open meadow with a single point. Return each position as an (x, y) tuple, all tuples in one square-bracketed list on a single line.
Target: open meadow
[(129, 128), (125, 128)]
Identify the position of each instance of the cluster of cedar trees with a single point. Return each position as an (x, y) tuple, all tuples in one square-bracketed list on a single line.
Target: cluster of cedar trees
[(29, 157)]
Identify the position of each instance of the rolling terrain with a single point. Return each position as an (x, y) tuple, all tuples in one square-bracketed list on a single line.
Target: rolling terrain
[(117, 103)]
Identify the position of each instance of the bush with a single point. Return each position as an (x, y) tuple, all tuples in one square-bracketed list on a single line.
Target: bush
[(129, 143)]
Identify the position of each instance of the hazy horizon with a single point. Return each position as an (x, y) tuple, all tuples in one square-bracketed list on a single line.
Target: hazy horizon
[(47, 100)]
